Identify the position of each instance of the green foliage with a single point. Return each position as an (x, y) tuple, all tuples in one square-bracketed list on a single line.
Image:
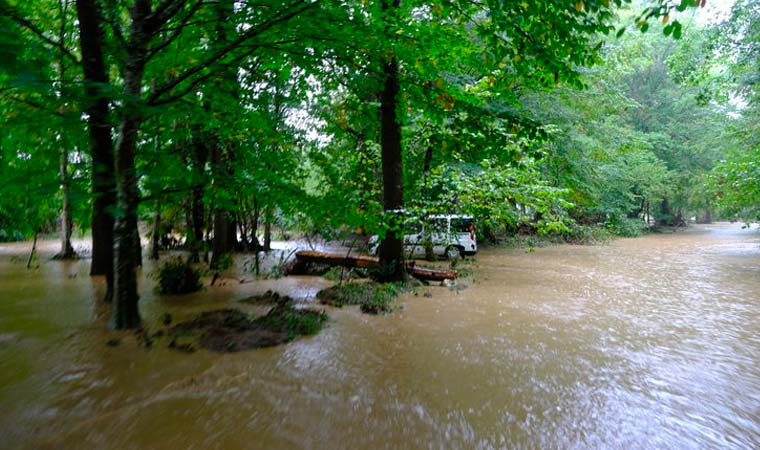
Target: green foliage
[(372, 298), (735, 183), (178, 277), (283, 318)]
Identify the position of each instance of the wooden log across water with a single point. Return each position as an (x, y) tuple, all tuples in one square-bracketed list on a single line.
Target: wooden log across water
[(365, 262)]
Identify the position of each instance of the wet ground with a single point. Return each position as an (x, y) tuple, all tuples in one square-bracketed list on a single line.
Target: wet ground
[(643, 343)]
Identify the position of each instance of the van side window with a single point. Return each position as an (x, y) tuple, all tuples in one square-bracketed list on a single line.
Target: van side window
[(461, 225), (439, 226), (412, 228)]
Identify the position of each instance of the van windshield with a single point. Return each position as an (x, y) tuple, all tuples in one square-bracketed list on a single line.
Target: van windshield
[(461, 225)]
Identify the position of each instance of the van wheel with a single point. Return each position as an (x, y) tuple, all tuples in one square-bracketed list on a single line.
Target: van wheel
[(453, 252)]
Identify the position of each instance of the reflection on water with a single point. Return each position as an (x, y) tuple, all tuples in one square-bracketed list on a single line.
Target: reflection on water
[(643, 343)]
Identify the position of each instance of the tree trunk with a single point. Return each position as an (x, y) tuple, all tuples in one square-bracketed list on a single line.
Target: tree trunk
[(138, 246), (67, 251), (125, 313), (220, 241), (667, 216), (155, 237), (268, 229), (196, 217), (34, 249), (67, 223), (101, 146), (225, 87), (391, 250)]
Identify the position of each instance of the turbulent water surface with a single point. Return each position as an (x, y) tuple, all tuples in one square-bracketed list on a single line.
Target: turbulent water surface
[(643, 343)]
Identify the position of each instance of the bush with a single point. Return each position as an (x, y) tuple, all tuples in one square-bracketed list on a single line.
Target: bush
[(625, 227), (178, 277), (588, 235), (372, 298)]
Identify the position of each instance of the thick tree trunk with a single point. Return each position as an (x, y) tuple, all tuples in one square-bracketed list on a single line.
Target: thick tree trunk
[(667, 216), (226, 87), (219, 244), (101, 146), (125, 313), (391, 250), (196, 217)]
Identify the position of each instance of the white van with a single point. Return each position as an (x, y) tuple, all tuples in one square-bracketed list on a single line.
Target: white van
[(452, 236)]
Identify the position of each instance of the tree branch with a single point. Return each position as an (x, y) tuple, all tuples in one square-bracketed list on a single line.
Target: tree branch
[(39, 33), (177, 32), (222, 52)]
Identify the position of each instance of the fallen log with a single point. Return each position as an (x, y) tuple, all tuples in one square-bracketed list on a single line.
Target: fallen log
[(305, 257)]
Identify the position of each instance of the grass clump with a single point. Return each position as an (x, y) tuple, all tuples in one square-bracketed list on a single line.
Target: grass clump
[(292, 322), (178, 277), (372, 298), (232, 330)]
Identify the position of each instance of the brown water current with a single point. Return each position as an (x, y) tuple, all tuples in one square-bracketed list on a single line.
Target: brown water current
[(648, 343)]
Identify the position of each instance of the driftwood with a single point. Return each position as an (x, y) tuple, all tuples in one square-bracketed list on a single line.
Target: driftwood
[(305, 257)]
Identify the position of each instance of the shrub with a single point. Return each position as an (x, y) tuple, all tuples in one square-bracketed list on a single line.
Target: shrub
[(625, 227), (372, 298), (178, 277)]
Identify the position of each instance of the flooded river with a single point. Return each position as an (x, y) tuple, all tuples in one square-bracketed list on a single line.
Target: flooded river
[(649, 343)]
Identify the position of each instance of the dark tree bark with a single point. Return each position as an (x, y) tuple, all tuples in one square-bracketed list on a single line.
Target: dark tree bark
[(391, 250), (220, 244), (101, 146), (222, 159), (125, 313), (196, 218), (667, 215)]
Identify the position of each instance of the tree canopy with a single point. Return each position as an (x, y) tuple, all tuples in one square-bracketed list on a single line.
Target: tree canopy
[(214, 119)]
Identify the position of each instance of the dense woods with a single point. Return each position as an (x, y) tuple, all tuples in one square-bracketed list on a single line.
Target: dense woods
[(213, 124)]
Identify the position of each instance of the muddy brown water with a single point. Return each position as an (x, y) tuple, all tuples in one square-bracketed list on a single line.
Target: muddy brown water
[(644, 343)]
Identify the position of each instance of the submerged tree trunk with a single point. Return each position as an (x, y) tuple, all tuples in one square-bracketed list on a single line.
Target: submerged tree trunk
[(125, 313), (268, 217), (225, 87), (67, 222), (391, 250), (666, 213), (220, 240), (34, 249), (220, 244), (196, 219), (101, 146), (155, 237)]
